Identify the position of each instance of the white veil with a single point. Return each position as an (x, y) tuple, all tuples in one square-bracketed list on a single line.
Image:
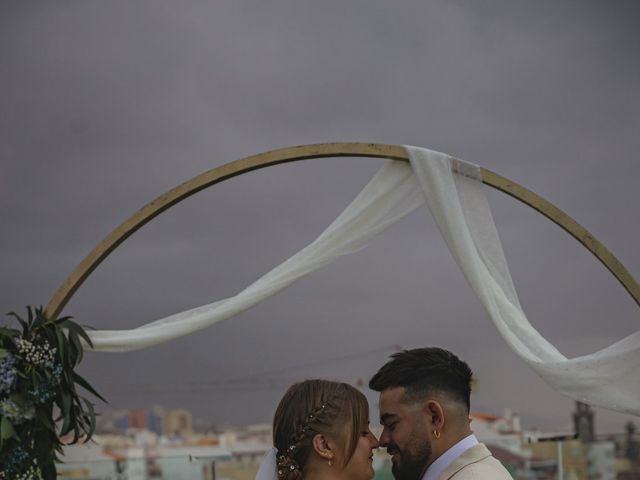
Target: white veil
[(268, 469)]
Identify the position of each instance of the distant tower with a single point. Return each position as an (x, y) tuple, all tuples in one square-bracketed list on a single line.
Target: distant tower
[(632, 451), (583, 424), (177, 422)]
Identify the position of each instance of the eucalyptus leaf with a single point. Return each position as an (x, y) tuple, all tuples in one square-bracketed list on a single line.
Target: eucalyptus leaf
[(20, 400), (91, 419), (66, 414), (49, 471), (81, 381), (6, 429), (25, 326), (61, 340), (73, 326), (75, 341), (45, 419), (39, 318), (74, 349), (9, 332)]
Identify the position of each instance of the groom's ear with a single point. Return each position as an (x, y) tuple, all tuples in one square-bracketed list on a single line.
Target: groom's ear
[(322, 446), (435, 414)]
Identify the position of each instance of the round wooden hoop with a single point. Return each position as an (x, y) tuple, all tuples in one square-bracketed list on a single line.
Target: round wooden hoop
[(305, 152)]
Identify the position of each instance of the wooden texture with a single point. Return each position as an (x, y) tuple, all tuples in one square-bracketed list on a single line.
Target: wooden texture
[(305, 152)]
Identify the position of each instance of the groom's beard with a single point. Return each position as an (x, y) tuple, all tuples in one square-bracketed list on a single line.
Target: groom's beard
[(413, 460)]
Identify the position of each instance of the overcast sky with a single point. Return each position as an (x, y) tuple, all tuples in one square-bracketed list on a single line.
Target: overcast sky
[(106, 105)]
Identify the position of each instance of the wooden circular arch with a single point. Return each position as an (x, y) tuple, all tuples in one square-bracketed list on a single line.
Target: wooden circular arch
[(304, 152)]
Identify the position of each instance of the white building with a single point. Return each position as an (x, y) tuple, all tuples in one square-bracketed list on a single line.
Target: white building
[(135, 462)]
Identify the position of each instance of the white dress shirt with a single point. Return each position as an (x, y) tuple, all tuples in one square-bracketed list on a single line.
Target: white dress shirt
[(443, 461)]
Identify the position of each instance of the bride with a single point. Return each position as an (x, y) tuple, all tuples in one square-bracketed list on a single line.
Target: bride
[(320, 432)]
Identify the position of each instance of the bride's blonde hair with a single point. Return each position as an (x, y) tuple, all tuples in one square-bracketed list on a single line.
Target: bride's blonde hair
[(312, 407)]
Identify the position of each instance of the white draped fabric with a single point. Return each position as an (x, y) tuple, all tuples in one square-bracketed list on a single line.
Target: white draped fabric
[(453, 190)]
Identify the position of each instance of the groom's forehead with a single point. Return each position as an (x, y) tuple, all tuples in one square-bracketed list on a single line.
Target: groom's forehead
[(390, 399)]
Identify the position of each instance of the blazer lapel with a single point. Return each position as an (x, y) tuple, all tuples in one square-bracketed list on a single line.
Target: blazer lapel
[(474, 454)]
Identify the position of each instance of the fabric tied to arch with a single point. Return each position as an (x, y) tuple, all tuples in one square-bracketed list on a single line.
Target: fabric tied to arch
[(454, 192)]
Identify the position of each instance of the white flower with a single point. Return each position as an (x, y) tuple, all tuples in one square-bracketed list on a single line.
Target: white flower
[(38, 355)]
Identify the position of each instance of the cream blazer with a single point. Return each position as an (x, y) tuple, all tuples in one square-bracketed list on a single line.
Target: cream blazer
[(476, 463)]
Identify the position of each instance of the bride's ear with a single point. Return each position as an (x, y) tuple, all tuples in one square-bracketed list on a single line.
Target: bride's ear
[(322, 446)]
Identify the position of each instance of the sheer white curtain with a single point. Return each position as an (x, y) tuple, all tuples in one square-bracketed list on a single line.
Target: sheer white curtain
[(453, 190)]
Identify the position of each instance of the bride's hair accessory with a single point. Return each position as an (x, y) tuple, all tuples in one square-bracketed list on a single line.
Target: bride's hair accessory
[(288, 467)]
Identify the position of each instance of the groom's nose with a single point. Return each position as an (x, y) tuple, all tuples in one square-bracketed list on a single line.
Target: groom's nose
[(384, 438)]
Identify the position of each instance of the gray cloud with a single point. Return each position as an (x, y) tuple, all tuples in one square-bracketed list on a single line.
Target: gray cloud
[(104, 106)]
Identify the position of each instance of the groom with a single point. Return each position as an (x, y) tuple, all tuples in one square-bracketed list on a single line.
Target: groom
[(424, 409)]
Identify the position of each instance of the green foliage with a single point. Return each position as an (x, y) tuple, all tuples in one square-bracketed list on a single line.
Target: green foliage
[(40, 407)]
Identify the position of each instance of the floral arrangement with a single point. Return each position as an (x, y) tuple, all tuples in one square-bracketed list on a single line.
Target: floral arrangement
[(39, 403)]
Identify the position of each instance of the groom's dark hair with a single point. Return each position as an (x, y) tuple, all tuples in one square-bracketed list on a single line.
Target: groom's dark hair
[(423, 371)]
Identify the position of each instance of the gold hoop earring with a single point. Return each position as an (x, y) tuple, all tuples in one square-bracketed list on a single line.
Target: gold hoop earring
[(436, 434)]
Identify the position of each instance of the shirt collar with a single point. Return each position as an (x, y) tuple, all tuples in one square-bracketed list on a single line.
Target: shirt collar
[(443, 461)]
